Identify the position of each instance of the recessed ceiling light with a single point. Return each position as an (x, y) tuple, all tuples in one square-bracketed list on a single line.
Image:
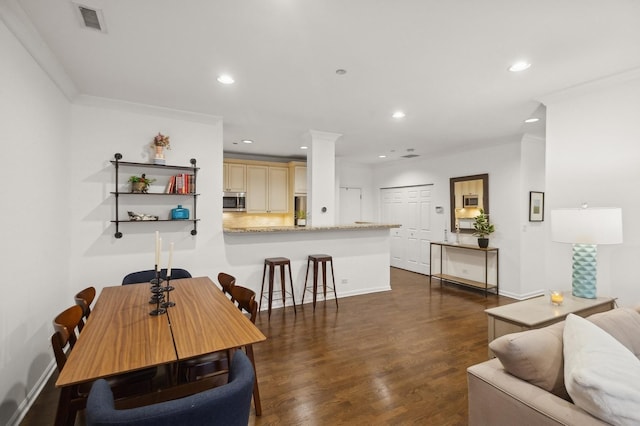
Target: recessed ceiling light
[(340, 71), (247, 141), (398, 114), (304, 147), (226, 79), (519, 66), (531, 120), (382, 156)]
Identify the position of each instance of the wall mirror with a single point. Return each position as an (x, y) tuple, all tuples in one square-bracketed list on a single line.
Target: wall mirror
[(468, 195)]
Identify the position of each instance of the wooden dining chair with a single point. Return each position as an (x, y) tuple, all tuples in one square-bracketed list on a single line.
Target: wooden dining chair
[(217, 363), (245, 299), (226, 282), (84, 299), (73, 398)]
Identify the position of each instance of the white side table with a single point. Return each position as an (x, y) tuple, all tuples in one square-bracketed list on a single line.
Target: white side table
[(538, 312)]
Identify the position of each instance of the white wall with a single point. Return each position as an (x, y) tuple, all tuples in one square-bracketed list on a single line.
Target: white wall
[(100, 129), (508, 197), (35, 211), (593, 146), (533, 234), (358, 176)]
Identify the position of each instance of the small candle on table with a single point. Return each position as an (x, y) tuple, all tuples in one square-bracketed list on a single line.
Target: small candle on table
[(557, 297)]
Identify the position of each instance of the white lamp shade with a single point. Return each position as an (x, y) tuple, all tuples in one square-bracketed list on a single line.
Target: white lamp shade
[(600, 225)]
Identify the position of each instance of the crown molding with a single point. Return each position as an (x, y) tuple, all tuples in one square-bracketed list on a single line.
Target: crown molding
[(590, 86), (126, 106)]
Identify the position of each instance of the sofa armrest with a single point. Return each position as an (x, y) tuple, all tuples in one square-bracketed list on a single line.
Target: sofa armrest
[(497, 398)]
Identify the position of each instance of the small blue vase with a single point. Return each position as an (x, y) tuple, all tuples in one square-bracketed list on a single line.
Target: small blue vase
[(179, 213)]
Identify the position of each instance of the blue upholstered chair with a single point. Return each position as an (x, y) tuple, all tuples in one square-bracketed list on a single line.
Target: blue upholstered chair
[(148, 275), (226, 405)]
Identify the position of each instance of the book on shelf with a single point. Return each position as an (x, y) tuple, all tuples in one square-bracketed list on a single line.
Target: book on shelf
[(171, 184), (182, 183)]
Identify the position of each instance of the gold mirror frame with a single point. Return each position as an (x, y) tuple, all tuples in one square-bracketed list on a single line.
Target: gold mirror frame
[(456, 200)]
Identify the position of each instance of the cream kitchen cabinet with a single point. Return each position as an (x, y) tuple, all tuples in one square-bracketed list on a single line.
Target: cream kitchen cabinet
[(235, 177), (267, 189), (300, 180)]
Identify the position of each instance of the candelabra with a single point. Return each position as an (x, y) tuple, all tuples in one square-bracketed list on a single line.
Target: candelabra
[(167, 289), (157, 295)]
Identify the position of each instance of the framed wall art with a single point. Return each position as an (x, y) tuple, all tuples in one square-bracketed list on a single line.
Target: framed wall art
[(536, 206)]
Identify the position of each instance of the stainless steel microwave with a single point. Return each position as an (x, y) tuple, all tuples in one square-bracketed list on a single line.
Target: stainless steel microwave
[(470, 201), (234, 202)]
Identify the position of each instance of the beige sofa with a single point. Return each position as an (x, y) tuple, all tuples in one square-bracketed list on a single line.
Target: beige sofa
[(525, 385)]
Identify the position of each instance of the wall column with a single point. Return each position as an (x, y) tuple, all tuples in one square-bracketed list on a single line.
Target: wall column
[(321, 177)]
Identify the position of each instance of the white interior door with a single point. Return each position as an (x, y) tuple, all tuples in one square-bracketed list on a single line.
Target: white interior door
[(391, 212), (411, 207), (423, 232)]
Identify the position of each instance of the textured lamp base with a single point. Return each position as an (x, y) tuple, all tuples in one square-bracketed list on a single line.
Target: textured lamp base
[(584, 270)]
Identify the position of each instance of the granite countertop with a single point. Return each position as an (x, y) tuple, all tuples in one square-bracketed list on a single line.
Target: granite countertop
[(349, 227)]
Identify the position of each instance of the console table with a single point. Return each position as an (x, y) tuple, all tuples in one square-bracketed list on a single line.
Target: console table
[(538, 312), (483, 285)]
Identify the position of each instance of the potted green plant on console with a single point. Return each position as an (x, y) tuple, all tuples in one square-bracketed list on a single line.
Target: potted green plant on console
[(482, 229)]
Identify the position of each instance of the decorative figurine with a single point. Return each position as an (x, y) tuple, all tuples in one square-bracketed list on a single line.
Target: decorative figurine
[(141, 216)]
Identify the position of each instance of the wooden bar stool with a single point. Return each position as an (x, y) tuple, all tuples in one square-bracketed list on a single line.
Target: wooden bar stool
[(320, 259), (272, 263)]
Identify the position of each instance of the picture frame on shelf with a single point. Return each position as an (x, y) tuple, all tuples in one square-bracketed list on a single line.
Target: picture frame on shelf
[(536, 206)]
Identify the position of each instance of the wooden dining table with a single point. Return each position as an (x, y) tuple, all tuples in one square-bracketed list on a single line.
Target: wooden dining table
[(121, 336)]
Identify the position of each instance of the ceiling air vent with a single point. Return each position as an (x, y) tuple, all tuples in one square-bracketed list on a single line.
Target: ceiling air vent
[(410, 156), (91, 18)]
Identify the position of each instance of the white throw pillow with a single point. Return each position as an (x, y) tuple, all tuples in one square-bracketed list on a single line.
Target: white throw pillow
[(600, 374)]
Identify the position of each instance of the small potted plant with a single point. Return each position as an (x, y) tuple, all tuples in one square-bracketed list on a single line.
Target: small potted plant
[(301, 217), (482, 229), (140, 183)]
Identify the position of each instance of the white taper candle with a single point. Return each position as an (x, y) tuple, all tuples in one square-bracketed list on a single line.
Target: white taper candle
[(157, 251), (170, 259), (158, 268)]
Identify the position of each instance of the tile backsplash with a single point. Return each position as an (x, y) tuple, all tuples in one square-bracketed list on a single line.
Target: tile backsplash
[(250, 220)]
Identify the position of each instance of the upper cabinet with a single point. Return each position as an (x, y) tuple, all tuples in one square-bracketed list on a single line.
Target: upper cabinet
[(267, 189), (300, 180), (235, 177)]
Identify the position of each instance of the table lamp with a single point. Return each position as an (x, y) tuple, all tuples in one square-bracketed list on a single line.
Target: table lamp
[(586, 228)]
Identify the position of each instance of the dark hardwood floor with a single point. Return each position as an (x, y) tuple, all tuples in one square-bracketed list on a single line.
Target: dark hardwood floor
[(396, 358)]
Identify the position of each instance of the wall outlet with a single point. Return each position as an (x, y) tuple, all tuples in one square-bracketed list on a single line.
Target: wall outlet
[(345, 281)]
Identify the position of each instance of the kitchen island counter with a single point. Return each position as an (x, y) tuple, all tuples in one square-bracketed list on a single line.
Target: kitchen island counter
[(360, 252), (347, 227)]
